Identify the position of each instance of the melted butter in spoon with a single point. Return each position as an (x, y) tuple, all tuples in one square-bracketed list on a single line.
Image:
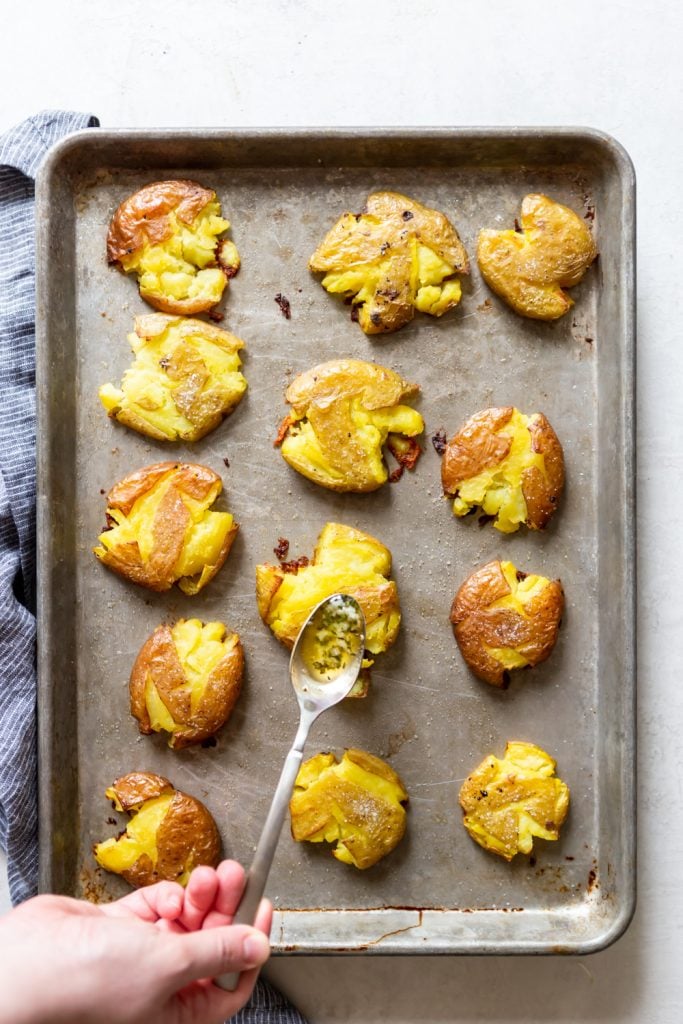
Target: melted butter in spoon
[(332, 639)]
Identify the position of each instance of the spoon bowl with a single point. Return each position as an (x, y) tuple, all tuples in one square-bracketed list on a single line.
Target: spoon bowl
[(328, 653)]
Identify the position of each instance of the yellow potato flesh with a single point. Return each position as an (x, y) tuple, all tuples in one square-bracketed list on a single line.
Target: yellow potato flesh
[(303, 451), (522, 763), (139, 838), (160, 718), (530, 267), (339, 566), (437, 301), (147, 392), (521, 593), (498, 490), (200, 649), (204, 535), (179, 267), (555, 301), (138, 525), (507, 657), (313, 768), (324, 768), (528, 828), (428, 291)]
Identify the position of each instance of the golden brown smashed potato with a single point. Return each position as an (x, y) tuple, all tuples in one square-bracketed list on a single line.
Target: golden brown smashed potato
[(167, 233), (507, 464), (530, 268), (186, 680), (169, 834), (160, 529), (185, 379), (510, 801), (395, 257), (345, 560), (343, 413), (504, 619), (356, 803)]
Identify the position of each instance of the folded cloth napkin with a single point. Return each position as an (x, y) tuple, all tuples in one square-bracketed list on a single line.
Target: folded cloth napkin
[(22, 150)]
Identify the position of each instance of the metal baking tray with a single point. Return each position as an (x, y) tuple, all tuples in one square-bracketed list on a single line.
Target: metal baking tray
[(438, 892)]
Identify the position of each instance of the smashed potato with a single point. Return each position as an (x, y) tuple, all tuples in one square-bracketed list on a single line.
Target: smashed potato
[(168, 234), (508, 802), (530, 268), (504, 619), (345, 560), (186, 681), (160, 529), (185, 379), (169, 834), (356, 803), (395, 257), (343, 413), (509, 465)]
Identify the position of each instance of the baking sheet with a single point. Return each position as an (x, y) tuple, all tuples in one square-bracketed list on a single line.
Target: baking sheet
[(438, 892)]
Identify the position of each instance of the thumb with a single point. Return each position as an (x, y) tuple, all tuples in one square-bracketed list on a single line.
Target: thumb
[(204, 954)]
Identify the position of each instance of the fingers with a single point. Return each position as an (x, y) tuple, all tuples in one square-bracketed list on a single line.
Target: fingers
[(215, 920), (132, 905), (212, 951), (264, 918), (212, 1005), (166, 898), (173, 927), (200, 894), (231, 880), (209, 893), (163, 900)]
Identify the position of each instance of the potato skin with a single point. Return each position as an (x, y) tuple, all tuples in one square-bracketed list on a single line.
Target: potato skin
[(383, 235), (135, 788), (322, 794), (159, 661), (187, 819), (397, 214), (201, 406), (186, 837), (324, 396), (170, 523), (337, 546), (477, 447), (143, 217), (377, 386), (542, 495), (529, 270), (509, 802), (476, 625)]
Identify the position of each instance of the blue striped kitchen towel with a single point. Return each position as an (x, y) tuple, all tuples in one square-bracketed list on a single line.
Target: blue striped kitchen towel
[(22, 150)]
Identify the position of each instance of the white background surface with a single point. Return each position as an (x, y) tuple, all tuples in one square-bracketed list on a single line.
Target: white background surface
[(611, 65)]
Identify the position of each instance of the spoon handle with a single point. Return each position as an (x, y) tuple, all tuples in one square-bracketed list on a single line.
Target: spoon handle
[(257, 875)]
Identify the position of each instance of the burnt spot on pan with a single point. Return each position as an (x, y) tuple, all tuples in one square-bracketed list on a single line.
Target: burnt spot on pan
[(92, 887), (285, 305)]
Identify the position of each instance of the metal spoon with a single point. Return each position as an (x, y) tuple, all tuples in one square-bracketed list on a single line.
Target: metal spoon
[(324, 665)]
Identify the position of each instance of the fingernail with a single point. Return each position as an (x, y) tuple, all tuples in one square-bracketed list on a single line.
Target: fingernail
[(255, 949)]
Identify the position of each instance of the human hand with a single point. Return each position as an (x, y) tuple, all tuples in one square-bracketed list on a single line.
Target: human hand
[(144, 959)]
